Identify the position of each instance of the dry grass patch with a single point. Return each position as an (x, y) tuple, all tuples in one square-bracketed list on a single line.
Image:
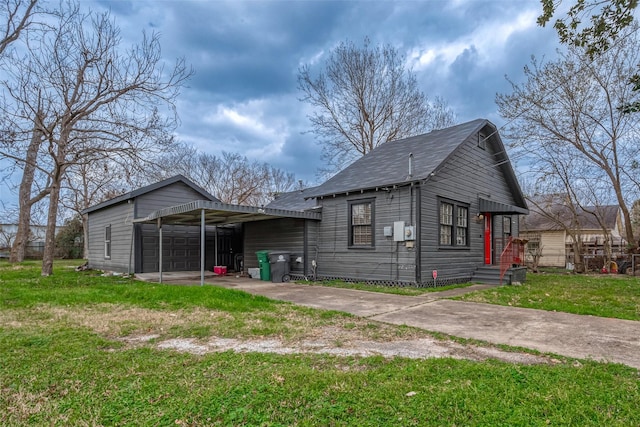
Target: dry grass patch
[(286, 322), (286, 330)]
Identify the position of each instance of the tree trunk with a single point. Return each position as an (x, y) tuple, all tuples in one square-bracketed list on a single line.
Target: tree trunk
[(578, 256), (19, 247), (50, 239), (25, 201)]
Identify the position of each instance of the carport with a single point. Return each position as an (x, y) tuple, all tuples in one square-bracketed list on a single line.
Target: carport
[(204, 212)]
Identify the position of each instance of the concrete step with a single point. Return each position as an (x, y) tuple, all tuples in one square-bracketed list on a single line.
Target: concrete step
[(490, 275)]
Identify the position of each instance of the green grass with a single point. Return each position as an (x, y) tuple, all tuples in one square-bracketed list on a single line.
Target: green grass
[(616, 296), (395, 290), (62, 364)]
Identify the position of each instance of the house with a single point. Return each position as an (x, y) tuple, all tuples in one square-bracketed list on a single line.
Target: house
[(553, 224), (433, 208), (35, 245)]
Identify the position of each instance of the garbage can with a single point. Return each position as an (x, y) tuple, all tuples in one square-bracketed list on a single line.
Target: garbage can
[(263, 263), (279, 261)]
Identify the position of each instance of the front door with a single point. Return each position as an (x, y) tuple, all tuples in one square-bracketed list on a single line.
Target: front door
[(488, 244)]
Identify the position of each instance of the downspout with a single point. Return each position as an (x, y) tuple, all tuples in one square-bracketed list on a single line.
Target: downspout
[(202, 236), (133, 230), (305, 244), (160, 249), (418, 229)]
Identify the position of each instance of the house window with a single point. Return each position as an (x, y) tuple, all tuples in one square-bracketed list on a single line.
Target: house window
[(506, 225), (361, 221), (482, 141), (446, 223), (454, 224), (107, 242), (462, 221)]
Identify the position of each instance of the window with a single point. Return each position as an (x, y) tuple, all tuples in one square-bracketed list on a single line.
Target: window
[(462, 215), (446, 223), (107, 242), (361, 215), (482, 140), (506, 225), (454, 225)]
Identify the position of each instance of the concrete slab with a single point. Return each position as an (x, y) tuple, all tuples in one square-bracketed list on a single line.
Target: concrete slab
[(584, 337), (359, 303)]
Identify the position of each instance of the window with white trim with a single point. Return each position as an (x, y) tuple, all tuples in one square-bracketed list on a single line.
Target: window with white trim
[(107, 242)]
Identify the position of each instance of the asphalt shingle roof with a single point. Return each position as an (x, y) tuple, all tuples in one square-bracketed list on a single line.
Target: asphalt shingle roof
[(293, 201), (388, 164)]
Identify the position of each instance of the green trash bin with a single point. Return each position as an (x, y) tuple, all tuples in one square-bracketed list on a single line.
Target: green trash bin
[(263, 262)]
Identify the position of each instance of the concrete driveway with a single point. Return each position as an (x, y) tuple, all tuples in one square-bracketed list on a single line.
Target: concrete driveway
[(584, 337)]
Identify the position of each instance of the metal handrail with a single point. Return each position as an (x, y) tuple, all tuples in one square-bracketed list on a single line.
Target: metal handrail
[(505, 258), (513, 253)]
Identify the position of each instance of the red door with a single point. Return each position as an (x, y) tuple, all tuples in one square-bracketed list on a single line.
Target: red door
[(488, 244)]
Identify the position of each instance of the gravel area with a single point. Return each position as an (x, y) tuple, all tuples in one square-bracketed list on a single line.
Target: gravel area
[(420, 348)]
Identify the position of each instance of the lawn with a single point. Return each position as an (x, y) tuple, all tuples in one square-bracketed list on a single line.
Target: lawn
[(603, 295), (64, 362)]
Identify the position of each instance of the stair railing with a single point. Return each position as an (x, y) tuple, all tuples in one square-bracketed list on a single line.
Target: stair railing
[(505, 258), (512, 254)]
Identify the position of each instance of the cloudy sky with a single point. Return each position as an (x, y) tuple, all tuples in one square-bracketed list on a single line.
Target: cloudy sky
[(246, 54)]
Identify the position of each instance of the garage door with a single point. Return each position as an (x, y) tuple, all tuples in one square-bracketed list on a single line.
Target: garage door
[(179, 252)]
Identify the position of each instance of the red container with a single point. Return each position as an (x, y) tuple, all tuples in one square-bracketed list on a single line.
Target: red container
[(220, 269)]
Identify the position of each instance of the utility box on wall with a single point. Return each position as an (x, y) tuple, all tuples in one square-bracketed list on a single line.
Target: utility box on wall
[(398, 231), (409, 232)]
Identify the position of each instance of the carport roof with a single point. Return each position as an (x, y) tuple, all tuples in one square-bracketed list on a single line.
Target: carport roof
[(218, 213)]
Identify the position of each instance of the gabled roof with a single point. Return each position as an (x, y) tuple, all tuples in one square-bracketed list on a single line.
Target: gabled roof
[(149, 188), (294, 201), (550, 212), (388, 164)]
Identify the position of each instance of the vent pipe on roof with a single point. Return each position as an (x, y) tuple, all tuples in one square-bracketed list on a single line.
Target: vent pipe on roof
[(410, 165)]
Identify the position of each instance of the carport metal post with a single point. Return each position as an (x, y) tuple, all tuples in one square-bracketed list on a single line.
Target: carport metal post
[(202, 247), (160, 249)]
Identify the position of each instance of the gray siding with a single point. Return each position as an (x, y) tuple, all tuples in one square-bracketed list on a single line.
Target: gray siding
[(469, 174), (389, 261), (171, 195), (284, 234), (181, 245), (120, 218)]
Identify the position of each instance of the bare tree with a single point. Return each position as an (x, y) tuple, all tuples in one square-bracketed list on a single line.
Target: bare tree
[(87, 184), (364, 97), (16, 18), (566, 115), (635, 219), (231, 177), (98, 100), (7, 236)]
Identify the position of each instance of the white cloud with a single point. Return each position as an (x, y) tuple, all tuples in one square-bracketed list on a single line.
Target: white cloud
[(488, 40), (262, 137)]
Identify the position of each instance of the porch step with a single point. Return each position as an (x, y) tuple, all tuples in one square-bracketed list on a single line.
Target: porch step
[(490, 275)]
